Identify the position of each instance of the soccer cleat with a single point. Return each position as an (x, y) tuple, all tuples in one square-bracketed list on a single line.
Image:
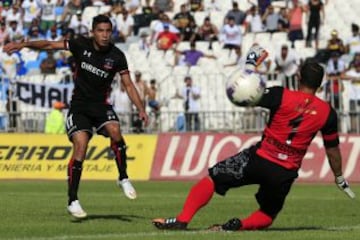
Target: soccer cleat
[(231, 225), (76, 210), (128, 188), (169, 224)]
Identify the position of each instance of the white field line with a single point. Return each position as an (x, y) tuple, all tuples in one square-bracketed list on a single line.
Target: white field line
[(145, 235)]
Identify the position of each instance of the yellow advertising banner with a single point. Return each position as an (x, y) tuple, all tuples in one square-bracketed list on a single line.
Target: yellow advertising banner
[(41, 156)]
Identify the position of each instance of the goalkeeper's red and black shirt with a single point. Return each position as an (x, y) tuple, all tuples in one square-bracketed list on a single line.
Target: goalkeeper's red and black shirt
[(295, 119), (95, 70)]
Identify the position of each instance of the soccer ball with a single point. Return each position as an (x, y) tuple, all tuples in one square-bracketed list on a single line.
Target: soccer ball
[(244, 88)]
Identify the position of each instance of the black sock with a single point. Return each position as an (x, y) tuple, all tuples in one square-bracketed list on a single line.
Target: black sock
[(74, 175), (119, 149)]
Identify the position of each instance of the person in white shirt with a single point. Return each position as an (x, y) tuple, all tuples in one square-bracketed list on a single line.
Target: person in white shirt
[(78, 24), (9, 64), (191, 95), (287, 65), (353, 85), (253, 21), (231, 34), (122, 105), (14, 14), (124, 24), (48, 14), (353, 43), (31, 10)]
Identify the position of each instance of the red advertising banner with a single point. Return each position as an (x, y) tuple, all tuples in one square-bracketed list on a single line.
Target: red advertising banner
[(187, 156)]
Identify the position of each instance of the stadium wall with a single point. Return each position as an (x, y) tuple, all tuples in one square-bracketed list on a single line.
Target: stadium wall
[(168, 156)]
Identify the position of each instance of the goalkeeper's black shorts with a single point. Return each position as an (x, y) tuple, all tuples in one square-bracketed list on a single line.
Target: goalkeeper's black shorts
[(246, 168)]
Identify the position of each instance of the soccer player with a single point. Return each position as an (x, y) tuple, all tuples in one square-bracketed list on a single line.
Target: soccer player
[(272, 163), (97, 60)]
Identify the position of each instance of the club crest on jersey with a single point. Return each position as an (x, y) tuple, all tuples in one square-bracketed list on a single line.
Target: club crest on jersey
[(109, 63)]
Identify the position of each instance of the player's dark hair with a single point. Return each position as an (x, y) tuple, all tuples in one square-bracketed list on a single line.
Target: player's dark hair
[(311, 74), (101, 19)]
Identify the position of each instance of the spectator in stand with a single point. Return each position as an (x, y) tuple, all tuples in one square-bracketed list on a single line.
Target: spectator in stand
[(354, 61), (196, 5), (124, 24), (4, 33), (283, 22), (208, 32), (190, 32), (182, 18), (55, 121), (231, 34), (354, 96), (163, 6), (253, 22), (335, 43), (191, 56), (159, 26), (54, 36), (353, 42), (34, 33), (212, 6), (48, 64), (191, 95), (5, 9), (295, 21), (14, 14), (144, 18), (132, 6), (122, 105), (287, 65), (166, 39), (31, 10), (70, 10), (142, 89), (236, 13), (315, 9), (48, 14), (335, 69), (144, 44), (270, 20), (261, 4), (79, 25), (9, 64), (15, 31)]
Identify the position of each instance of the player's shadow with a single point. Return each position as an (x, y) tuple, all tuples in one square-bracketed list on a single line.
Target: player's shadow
[(119, 217), (304, 228)]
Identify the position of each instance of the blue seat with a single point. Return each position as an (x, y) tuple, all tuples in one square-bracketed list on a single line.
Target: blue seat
[(32, 65), (59, 10)]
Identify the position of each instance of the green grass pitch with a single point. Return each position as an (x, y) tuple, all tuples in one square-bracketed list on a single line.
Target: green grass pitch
[(36, 210)]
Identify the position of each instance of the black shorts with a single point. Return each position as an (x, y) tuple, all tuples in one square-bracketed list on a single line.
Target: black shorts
[(90, 116), (247, 168)]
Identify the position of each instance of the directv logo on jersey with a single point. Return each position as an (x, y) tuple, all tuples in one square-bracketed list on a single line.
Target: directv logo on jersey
[(90, 68)]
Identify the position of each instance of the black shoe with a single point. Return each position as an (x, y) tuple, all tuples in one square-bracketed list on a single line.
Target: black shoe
[(169, 224), (231, 225)]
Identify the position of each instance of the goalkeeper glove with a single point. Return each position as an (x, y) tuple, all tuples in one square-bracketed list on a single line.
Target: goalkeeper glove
[(256, 55), (344, 186)]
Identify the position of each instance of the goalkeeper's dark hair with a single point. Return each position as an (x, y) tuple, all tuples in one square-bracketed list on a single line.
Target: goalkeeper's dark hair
[(311, 74), (101, 19)]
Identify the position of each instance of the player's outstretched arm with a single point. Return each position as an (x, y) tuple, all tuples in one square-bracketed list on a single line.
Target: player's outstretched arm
[(335, 162), (40, 45)]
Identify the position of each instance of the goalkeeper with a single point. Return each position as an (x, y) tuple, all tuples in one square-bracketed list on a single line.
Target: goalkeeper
[(273, 163)]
